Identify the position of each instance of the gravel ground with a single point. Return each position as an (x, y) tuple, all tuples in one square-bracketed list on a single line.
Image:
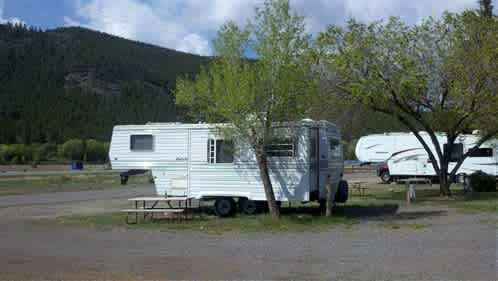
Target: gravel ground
[(451, 246)]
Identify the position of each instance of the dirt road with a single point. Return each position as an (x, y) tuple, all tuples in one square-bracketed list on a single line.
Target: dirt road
[(452, 246)]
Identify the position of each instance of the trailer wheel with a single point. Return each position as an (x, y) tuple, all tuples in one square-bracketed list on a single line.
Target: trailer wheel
[(247, 206), (341, 195), (385, 177), (224, 207)]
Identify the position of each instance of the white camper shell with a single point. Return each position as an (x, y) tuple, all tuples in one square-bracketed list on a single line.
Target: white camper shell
[(192, 160)]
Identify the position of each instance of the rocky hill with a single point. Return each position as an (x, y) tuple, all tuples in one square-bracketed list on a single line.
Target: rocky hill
[(77, 83)]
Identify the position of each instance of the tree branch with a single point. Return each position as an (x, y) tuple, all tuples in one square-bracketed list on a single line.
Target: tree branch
[(470, 151)]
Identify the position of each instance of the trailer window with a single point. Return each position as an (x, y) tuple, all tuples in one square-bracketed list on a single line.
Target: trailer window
[(333, 144), (281, 147), (220, 151), (456, 153), (141, 143), (482, 152)]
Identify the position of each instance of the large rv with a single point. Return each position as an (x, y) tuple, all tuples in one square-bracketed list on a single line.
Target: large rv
[(377, 148), (195, 161), (403, 156)]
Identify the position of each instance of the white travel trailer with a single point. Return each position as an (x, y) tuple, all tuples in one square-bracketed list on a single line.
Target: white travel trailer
[(377, 148), (194, 161), (416, 162), (404, 156)]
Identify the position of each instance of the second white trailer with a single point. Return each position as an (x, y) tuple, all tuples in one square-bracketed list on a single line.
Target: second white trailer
[(416, 162)]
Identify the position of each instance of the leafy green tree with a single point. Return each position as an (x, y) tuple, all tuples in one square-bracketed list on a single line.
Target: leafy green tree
[(486, 9), (253, 96), (437, 76)]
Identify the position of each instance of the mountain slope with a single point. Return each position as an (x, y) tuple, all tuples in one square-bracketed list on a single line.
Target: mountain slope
[(74, 82)]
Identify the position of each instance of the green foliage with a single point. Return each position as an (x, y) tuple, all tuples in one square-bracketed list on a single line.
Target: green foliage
[(252, 95), (96, 151), (298, 220), (427, 72), (482, 182), (77, 83), (486, 8), (436, 76), (15, 154), (73, 149), (348, 148)]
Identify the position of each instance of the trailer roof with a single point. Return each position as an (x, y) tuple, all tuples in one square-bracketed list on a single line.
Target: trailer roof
[(167, 125)]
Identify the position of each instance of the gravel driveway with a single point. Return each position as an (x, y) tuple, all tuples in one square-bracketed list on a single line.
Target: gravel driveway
[(452, 246)]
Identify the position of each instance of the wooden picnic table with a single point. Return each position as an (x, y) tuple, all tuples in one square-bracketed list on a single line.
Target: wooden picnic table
[(410, 184), (360, 186), (151, 205)]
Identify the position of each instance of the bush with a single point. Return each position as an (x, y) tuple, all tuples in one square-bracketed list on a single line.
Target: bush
[(482, 182), (15, 154), (348, 148), (44, 152), (96, 151), (73, 149)]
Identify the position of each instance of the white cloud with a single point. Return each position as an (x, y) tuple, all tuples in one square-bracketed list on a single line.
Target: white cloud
[(12, 20), (70, 22), (157, 23), (189, 25)]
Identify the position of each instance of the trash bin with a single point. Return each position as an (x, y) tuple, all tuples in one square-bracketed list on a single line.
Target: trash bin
[(77, 165)]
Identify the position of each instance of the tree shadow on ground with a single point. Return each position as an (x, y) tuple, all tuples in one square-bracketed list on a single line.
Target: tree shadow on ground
[(361, 212)]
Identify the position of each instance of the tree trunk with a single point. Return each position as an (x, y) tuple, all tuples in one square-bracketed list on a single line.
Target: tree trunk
[(265, 177), (444, 183), (330, 200)]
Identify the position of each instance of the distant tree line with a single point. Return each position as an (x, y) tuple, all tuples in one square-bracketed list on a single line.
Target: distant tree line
[(88, 150)]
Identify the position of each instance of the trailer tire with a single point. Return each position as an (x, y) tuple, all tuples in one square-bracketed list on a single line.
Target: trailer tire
[(341, 195), (248, 207), (224, 207), (385, 176)]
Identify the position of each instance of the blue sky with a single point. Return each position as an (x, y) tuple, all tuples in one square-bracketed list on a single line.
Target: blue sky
[(189, 25)]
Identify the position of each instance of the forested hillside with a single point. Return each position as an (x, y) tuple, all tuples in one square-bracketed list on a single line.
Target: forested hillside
[(73, 82), (77, 83)]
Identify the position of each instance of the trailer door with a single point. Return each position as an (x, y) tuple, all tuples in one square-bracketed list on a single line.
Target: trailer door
[(313, 156), (496, 161), (323, 160), (176, 143)]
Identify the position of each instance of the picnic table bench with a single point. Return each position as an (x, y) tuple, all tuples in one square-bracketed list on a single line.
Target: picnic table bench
[(150, 205)]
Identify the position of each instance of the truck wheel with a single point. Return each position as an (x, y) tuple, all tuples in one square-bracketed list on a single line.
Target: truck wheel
[(385, 177), (224, 207), (247, 206)]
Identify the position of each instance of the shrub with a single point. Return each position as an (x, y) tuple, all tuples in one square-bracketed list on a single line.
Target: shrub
[(348, 148), (482, 182), (73, 149), (15, 154), (49, 152), (95, 151)]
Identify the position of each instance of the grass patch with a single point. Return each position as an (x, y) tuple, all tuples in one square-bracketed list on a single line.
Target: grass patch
[(10, 185), (491, 221), (260, 223), (475, 202)]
